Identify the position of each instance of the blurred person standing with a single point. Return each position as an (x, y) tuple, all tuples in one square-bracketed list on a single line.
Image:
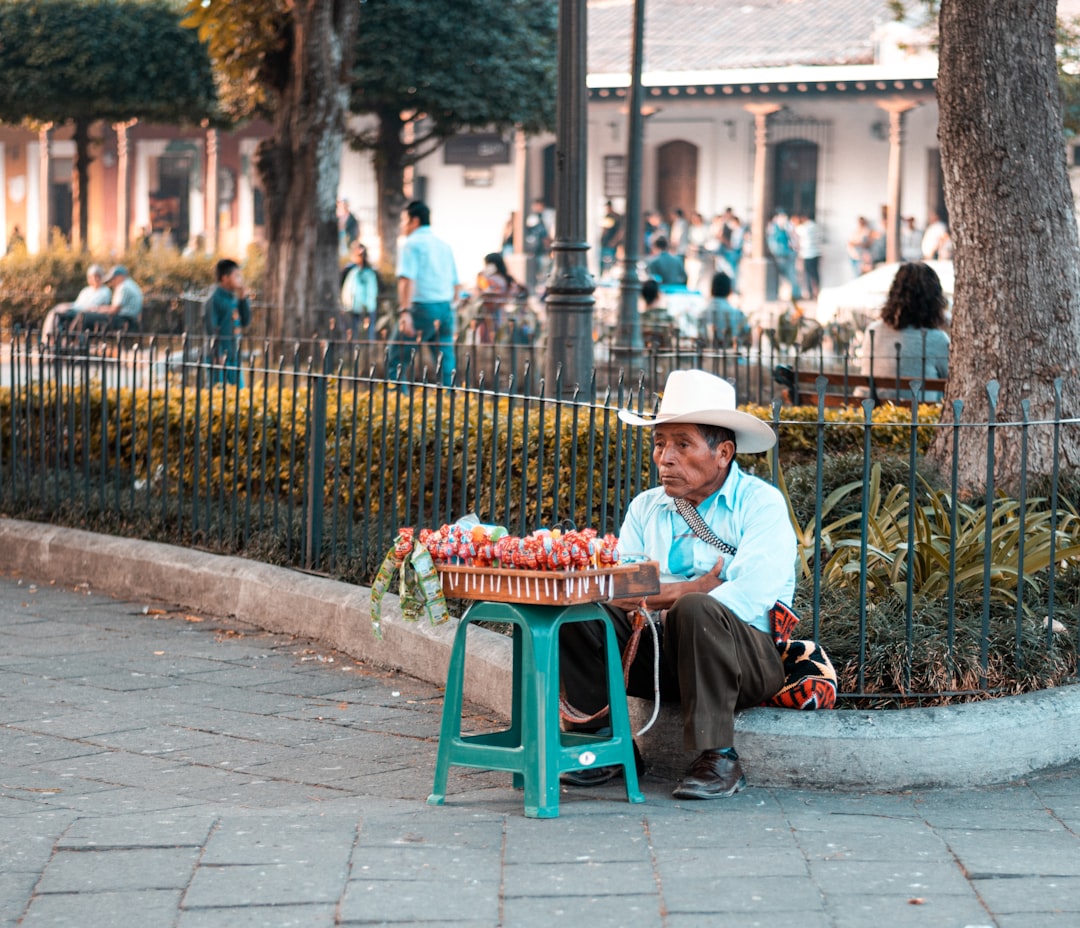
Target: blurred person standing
[(226, 313), (537, 243), (611, 236), (348, 226), (860, 247), (910, 240), (427, 284), (936, 233), (808, 235), (360, 295), (496, 288), (778, 239)]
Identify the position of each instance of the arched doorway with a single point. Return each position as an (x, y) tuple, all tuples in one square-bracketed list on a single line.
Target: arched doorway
[(676, 177), (795, 177)]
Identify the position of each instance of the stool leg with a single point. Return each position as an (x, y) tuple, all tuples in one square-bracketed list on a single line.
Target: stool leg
[(542, 719), (450, 730), (517, 707), (620, 714)]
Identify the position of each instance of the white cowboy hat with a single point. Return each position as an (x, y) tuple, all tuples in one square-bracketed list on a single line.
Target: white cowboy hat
[(704, 399)]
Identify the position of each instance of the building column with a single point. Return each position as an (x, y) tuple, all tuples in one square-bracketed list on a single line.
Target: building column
[(897, 109), (754, 271), (45, 185), (123, 184), (212, 206), (521, 183), (570, 290)]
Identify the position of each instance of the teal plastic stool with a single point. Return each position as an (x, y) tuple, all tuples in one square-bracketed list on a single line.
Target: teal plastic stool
[(534, 748)]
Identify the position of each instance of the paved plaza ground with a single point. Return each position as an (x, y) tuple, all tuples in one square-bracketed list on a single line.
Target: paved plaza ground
[(160, 768)]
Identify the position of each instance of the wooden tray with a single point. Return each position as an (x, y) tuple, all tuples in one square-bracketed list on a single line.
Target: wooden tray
[(550, 587)]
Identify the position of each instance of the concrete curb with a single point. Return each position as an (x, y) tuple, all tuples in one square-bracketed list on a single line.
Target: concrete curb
[(957, 746)]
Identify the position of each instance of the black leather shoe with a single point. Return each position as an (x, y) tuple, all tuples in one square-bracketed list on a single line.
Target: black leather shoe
[(597, 776), (712, 776), (591, 776)]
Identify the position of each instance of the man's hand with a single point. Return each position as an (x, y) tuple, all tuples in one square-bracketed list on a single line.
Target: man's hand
[(406, 327), (669, 592), (710, 581)]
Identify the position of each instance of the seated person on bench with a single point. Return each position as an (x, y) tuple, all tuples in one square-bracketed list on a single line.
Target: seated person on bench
[(122, 314), (912, 320), (93, 295)]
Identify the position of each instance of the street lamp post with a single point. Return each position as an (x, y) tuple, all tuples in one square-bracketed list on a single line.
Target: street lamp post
[(570, 287), (628, 339)]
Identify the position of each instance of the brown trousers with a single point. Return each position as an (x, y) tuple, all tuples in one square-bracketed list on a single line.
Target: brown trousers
[(711, 662)]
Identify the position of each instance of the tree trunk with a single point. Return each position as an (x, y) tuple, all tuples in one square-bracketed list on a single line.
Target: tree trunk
[(390, 158), (1016, 317), (300, 165), (80, 189)]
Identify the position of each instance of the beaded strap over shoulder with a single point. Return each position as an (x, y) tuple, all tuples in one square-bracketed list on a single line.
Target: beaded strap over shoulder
[(699, 527)]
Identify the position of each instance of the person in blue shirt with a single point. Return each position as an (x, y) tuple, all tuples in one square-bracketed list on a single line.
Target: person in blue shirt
[(428, 284), (227, 311), (717, 650)]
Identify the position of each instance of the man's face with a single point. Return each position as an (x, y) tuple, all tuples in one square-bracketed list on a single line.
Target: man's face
[(408, 223), (233, 281), (688, 467)]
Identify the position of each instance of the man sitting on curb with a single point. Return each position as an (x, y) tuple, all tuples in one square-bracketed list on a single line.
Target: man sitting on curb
[(716, 592)]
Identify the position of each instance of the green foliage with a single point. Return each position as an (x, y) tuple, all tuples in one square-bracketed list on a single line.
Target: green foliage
[(101, 59), (457, 64), (917, 540), (249, 42), (941, 655), (844, 427), (388, 464), (1068, 52), (31, 284)]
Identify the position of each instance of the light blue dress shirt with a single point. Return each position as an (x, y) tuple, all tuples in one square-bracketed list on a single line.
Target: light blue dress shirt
[(429, 263), (746, 512)]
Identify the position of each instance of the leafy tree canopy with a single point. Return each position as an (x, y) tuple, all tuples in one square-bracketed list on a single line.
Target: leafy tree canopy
[(67, 60), (457, 64), (249, 42), (1068, 57)]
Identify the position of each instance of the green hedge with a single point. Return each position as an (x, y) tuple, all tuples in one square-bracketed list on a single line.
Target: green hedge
[(272, 424), (31, 284)]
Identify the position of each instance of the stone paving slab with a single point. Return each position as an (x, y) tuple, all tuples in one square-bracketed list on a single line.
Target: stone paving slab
[(104, 909), (272, 787)]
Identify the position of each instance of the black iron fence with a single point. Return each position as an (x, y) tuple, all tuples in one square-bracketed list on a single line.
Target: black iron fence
[(312, 458)]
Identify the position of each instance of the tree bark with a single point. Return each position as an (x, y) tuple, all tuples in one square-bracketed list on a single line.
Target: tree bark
[(390, 157), (300, 165), (1016, 315), (80, 185)]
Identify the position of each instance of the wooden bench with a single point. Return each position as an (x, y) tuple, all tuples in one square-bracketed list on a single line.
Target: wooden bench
[(845, 388)]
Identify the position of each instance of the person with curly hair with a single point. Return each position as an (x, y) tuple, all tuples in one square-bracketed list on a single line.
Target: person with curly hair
[(909, 340)]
